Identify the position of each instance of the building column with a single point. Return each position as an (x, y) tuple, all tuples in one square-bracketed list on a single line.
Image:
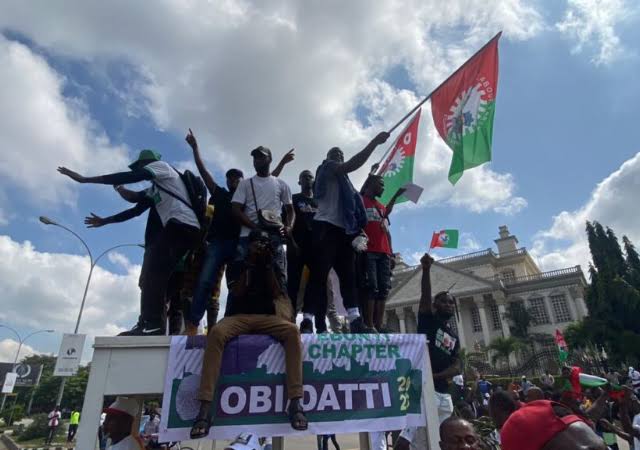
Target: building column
[(576, 304), (463, 341), (401, 316), (547, 306), (483, 320), (502, 310)]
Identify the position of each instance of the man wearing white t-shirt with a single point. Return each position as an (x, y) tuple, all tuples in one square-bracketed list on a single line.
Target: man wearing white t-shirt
[(169, 197), (267, 195)]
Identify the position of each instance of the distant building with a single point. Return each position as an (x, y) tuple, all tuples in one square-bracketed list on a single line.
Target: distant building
[(485, 283)]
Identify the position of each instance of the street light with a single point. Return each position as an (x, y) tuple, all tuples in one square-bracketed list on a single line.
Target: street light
[(47, 221), (21, 341)]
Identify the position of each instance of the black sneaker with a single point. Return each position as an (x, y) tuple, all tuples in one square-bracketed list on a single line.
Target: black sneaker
[(144, 329), (358, 326), (306, 326)]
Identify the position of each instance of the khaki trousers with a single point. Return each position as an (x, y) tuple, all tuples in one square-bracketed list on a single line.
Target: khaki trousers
[(280, 329)]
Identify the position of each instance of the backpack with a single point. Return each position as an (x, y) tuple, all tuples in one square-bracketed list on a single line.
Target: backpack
[(197, 192)]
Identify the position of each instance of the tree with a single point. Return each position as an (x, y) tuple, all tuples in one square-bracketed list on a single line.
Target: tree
[(633, 263), (520, 320), (503, 348)]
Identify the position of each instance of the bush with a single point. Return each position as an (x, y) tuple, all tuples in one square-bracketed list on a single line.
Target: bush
[(16, 413), (38, 429)]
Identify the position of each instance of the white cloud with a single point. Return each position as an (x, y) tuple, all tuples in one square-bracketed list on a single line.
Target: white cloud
[(9, 347), (44, 290), (565, 244), (285, 73), (592, 24), (41, 128)]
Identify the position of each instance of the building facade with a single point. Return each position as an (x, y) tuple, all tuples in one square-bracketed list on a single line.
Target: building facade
[(485, 283)]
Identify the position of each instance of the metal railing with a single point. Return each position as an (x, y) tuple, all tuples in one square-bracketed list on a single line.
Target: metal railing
[(481, 253), (569, 271)]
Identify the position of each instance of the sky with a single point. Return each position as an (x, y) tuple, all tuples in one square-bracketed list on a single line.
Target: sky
[(88, 84)]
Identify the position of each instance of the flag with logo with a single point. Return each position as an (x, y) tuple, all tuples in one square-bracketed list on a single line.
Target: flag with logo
[(563, 349), (445, 238), (397, 169), (463, 109)]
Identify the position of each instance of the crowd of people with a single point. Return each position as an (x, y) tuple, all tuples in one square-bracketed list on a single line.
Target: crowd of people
[(280, 252)]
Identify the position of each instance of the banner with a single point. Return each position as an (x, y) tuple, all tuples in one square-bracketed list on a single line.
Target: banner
[(69, 355), (9, 382), (28, 375), (352, 383)]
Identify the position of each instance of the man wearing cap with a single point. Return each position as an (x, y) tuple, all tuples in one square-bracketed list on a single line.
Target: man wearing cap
[(118, 424), (340, 218), (257, 204), (546, 425), (180, 231)]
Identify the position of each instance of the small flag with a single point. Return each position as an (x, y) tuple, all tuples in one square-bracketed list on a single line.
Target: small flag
[(397, 169), (463, 109), (591, 381), (445, 238), (563, 349)]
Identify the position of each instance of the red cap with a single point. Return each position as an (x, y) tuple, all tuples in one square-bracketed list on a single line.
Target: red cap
[(533, 425)]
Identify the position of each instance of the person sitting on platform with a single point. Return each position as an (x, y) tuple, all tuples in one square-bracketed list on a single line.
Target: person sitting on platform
[(119, 422), (260, 306)]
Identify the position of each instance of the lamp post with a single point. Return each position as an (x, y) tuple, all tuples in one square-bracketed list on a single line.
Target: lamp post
[(21, 341), (47, 221)]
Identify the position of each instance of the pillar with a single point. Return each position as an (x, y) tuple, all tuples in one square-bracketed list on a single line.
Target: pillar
[(483, 320), (547, 306), (401, 317), (460, 324), (502, 310), (576, 304)]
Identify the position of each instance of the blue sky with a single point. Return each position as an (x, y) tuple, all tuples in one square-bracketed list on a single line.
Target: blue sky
[(81, 93)]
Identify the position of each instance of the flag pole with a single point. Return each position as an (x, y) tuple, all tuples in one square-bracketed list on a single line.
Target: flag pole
[(441, 84), (386, 152)]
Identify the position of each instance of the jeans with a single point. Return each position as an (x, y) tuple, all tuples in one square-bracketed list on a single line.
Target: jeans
[(331, 249), (220, 252), (378, 275), (174, 242), (279, 262)]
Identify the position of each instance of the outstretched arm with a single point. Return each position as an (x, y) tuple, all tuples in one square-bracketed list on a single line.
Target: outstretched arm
[(133, 176), (449, 372), (204, 173), (286, 159), (94, 221), (392, 202), (129, 195), (425, 286), (361, 157)]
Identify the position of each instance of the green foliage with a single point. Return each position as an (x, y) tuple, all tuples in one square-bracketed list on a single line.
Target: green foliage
[(503, 348), (520, 320), (15, 413), (38, 429)]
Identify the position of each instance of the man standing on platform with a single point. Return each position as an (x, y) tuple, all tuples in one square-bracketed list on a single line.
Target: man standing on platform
[(444, 346)]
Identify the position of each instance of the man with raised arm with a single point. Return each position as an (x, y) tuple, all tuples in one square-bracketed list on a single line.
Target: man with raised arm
[(180, 231), (222, 238), (434, 318), (340, 218)]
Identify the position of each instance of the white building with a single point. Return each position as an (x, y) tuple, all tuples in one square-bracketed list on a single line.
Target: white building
[(485, 283)]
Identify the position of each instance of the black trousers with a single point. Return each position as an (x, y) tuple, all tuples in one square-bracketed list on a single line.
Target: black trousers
[(331, 249), (161, 260), (296, 260)]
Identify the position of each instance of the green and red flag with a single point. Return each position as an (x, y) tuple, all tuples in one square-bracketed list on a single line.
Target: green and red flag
[(445, 238), (563, 349), (463, 108), (397, 169)]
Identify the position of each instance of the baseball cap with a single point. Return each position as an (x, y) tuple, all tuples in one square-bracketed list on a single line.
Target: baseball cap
[(245, 441), (262, 150), (533, 425), (124, 405), (146, 155)]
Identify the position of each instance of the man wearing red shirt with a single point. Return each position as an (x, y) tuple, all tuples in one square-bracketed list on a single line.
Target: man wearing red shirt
[(379, 253)]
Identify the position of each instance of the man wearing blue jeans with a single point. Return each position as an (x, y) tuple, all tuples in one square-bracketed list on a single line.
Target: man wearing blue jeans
[(222, 239)]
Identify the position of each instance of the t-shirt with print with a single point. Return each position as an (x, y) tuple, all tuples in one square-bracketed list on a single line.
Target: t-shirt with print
[(169, 207), (271, 194), (376, 228), (223, 225), (444, 346), (305, 209), (330, 205)]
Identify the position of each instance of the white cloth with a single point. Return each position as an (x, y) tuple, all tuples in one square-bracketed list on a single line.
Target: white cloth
[(636, 427), (54, 418), (634, 376), (378, 440), (167, 206), (271, 194), (418, 436), (102, 417), (128, 443)]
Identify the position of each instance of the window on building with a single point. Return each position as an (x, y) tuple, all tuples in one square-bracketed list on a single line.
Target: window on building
[(476, 323), (560, 308), (495, 317), (508, 275), (538, 311)]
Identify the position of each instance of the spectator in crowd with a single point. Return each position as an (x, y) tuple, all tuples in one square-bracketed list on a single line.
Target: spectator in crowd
[(222, 239), (259, 306), (379, 253), (180, 230), (458, 434), (102, 439), (339, 220), (630, 417), (612, 377), (501, 406), (634, 379), (483, 386), (257, 204), (54, 422), (299, 251), (119, 422), (534, 393), (525, 385), (74, 420), (548, 381), (434, 316)]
